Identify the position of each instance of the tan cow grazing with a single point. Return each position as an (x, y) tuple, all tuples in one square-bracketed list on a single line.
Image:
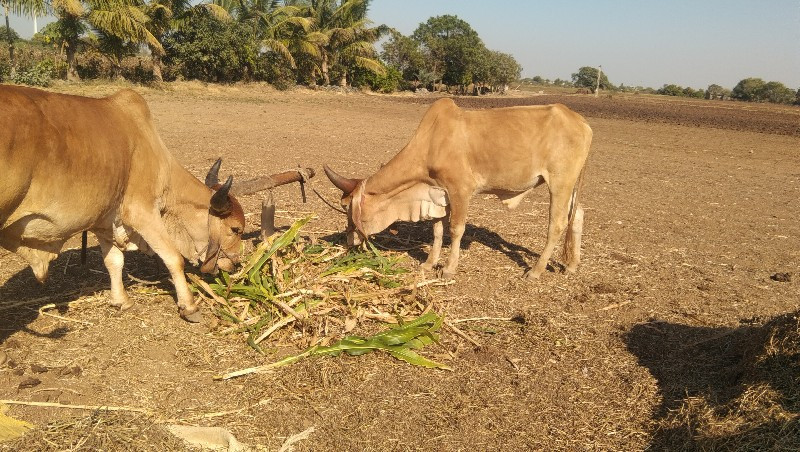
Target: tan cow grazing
[(70, 163), (456, 154)]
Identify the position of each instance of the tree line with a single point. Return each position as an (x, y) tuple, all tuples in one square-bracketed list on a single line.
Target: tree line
[(751, 89), (282, 42)]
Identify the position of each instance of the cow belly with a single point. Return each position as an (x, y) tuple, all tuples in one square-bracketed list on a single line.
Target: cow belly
[(36, 240), (512, 200)]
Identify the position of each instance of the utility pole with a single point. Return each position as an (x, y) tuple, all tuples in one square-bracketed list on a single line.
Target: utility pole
[(597, 85)]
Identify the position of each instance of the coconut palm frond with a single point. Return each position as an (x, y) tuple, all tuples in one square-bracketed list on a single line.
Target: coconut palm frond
[(27, 7), (126, 23), (371, 65), (217, 11), (317, 38), (67, 7), (281, 49), (309, 49)]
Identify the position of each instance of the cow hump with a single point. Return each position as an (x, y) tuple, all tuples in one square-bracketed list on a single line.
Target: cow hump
[(131, 102)]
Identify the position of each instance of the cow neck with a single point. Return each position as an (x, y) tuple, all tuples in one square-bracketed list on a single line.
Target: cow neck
[(400, 173), (187, 212)]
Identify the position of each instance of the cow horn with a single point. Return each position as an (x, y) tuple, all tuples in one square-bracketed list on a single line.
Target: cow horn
[(212, 178), (220, 202), (342, 183)]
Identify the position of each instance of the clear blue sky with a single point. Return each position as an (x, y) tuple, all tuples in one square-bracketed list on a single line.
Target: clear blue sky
[(647, 43)]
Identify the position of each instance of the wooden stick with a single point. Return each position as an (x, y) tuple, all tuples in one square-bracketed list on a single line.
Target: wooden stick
[(288, 309), (289, 443), (275, 180), (463, 334), (77, 407), (478, 319), (56, 316), (615, 305)]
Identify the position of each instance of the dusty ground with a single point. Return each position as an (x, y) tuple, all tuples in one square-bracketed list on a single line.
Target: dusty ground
[(690, 210)]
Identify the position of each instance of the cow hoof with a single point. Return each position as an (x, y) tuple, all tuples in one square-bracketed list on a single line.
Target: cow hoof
[(192, 317), (447, 276), (123, 305), (426, 267), (531, 275)]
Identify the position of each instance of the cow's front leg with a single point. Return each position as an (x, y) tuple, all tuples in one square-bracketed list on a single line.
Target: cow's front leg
[(436, 248), (458, 222), (159, 241), (114, 259)]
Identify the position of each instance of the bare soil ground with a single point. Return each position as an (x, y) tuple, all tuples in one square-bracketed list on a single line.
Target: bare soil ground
[(690, 214)]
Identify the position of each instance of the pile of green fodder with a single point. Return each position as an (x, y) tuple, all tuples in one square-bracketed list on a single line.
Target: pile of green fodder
[(293, 289)]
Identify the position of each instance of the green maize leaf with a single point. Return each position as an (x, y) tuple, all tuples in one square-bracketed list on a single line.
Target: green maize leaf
[(281, 242), (397, 341), (412, 357)]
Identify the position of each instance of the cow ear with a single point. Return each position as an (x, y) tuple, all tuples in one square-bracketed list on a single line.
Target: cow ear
[(438, 195), (220, 201), (212, 178)]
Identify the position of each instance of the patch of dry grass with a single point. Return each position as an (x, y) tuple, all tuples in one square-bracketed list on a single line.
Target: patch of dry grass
[(766, 413), (101, 430)]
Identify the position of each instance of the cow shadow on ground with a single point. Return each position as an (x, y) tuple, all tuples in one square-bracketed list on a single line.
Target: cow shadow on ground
[(21, 296), (711, 377), (415, 238)]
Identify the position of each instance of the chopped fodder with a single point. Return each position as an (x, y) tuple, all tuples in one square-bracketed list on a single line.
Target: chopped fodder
[(311, 293)]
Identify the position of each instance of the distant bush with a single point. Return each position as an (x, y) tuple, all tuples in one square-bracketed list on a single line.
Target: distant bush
[(754, 89), (210, 50), (39, 75), (388, 83)]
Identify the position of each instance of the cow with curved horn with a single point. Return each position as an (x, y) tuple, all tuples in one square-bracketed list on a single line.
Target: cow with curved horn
[(137, 197), (456, 154)]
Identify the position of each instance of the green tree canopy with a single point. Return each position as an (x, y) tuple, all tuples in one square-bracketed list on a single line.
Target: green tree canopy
[(586, 77), (208, 49), (748, 89), (451, 47), (776, 92), (715, 91), (403, 53), (6, 33)]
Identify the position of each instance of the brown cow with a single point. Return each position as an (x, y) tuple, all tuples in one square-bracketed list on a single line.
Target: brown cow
[(70, 164), (456, 154)]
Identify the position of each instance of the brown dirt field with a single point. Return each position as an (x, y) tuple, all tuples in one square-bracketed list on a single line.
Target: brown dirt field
[(690, 209)]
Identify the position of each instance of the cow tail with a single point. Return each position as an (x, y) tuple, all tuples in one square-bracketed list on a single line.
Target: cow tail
[(573, 237)]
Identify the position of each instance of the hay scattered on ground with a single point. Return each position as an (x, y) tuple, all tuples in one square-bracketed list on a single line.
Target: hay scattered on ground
[(766, 413), (101, 430)]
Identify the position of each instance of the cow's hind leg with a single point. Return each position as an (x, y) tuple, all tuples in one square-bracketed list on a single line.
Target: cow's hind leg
[(559, 211), (572, 242), (436, 248), (114, 260)]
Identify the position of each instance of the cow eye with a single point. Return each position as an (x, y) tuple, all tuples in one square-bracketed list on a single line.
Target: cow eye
[(236, 231)]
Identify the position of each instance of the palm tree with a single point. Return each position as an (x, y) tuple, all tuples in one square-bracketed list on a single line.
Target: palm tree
[(121, 27), (349, 40), (278, 27)]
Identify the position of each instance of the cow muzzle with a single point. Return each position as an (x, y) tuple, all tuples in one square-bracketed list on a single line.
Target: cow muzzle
[(220, 260)]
